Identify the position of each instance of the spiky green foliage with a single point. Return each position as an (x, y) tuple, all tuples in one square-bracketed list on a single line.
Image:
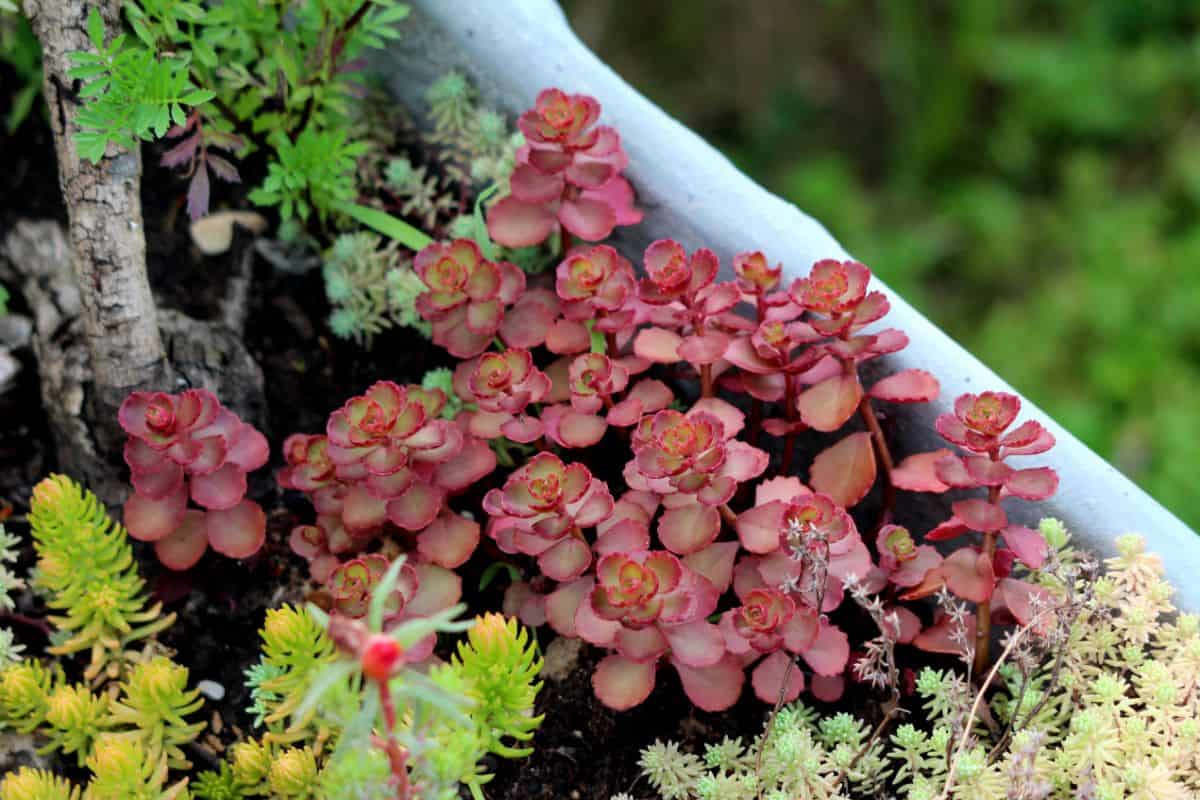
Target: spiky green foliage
[(36, 784), (295, 649), (151, 709), (313, 173), (75, 718), (25, 689), (500, 665), (123, 770), (85, 570), (219, 784), (371, 288), (10, 650), (1103, 703)]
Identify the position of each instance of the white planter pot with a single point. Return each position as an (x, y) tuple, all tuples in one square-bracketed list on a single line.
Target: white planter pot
[(511, 49)]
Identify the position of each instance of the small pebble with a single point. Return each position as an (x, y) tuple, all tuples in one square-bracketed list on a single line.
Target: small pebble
[(212, 690)]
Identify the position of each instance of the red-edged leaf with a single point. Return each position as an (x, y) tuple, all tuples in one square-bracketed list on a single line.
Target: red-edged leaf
[(658, 345), (939, 638), (845, 471), (237, 532), (827, 405), (917, 473), (1032, 484), (908, 386), (980, 515), (622, 683), (1028, 545), (969, 574)]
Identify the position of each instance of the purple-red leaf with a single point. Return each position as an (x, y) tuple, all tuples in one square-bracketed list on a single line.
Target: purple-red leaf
[(908, 386)]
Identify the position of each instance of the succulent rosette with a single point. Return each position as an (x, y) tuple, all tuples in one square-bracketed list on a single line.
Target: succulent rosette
[(594, 379), (568, 174), (542, 510), (189, 446), (770, 627), (466, 295), (695, 462), (596, 283), (503, 385), (421, 590), (649, 607)]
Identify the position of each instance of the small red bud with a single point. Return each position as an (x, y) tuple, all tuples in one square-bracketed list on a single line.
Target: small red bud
[(380, 656)]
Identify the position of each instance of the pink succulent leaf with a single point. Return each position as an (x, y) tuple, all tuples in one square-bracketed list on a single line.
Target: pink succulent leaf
[(741, 353), (593, 628), (362, 511), (149, 520), (658, 345), (983, 471), (950, 529), (449, 540), (714, 563), (696, 644), (250, 449), (647, 396), (522, 602), (767, 678), (829, 404), (781, 487), (527, 324), (845, 471), (523, 429), (1032, 484), (1028, 545), (952, 471), (759, 528), (562, 605), (475, 461), (645, 644), (969, 575), (689, 528), (1027, 439), (980, 515), (569, 428), (707, 347), (940, 637), (452, 333), (714, 688), (1025, 601), (437, 590), (913, 572), (532, 186), (185, 546), (828, 688), (622, 683), (566, 560), (732, 419), (829, 651), (907, 386), (917, 473), (568, 337), (588, 218), (617, 194), (416, 508), (156, 484), (625, 537), (237, 532), (518, 223)]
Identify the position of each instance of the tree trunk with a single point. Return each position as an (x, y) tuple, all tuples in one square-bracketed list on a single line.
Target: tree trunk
[(108, 245)]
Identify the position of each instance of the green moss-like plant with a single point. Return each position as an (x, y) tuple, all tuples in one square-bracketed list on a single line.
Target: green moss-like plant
[(294, 650), (151, 708), (371, 288), (36, 784), (86, 572)]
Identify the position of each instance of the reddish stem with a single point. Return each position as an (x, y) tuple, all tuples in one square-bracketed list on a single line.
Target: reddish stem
[(983, 612), (789, 402), (397, 755), (706, 380), (883, 458), (33, 622), (610, 344)]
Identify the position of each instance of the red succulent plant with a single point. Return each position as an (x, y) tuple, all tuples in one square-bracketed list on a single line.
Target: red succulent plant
[(185, 446), (568, 175)]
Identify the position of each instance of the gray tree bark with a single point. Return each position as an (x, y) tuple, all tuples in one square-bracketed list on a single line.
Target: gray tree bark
[(105, 232)]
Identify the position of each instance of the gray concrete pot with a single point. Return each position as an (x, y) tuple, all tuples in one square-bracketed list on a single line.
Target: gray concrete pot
[(511, 49)]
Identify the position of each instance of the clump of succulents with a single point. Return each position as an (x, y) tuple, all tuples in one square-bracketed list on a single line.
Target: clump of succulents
[(183, 447), (371, 288)]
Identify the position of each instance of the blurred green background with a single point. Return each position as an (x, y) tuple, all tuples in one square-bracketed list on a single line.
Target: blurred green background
[(1026, 173)]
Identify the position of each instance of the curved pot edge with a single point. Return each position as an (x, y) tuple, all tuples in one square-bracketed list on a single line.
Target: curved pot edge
[(695, 195)]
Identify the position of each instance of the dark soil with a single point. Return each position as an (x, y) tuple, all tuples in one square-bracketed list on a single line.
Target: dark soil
[(582, 750)]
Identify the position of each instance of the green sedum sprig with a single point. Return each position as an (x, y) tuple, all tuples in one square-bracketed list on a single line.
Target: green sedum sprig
[(86, 572)]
